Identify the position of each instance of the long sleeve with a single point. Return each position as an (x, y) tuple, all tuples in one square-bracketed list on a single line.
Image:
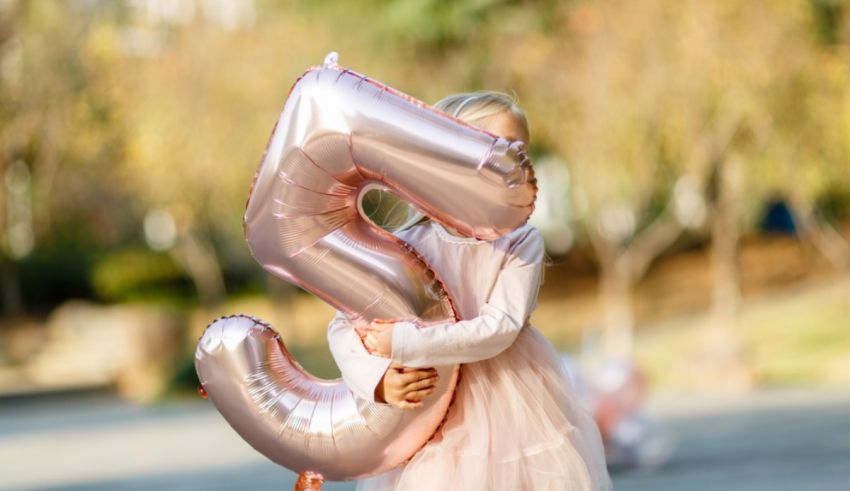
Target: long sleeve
[(361, 371), (499, 321)]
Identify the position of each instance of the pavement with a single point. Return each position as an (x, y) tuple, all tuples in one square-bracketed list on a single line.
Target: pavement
[(777, 441)]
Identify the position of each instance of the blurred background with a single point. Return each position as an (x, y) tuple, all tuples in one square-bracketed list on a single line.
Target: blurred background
[(694, 163)]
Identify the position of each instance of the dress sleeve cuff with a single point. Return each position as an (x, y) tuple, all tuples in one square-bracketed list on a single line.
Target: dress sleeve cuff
[(378, 368), (367, 377), (402, 331)]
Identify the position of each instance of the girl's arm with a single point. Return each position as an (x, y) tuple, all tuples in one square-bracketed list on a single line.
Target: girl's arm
[(361, 371), (499, 321)]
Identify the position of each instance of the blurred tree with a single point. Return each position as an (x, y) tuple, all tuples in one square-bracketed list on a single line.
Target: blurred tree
[(668, 112), (202, 97), (673, 116), (61, 135)]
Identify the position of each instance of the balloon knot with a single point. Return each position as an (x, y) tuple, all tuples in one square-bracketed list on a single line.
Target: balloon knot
[(309, 481), (332, 59)]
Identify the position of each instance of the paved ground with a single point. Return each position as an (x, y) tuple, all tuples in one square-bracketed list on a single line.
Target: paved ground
[(777, 442)]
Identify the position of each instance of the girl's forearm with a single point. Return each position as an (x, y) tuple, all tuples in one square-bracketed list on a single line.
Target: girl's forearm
[(466, 341)]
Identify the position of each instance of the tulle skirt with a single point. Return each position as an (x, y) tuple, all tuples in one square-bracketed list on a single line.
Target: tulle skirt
[(515, 424)]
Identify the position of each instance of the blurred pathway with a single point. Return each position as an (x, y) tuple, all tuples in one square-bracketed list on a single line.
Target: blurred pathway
[(780, 441)]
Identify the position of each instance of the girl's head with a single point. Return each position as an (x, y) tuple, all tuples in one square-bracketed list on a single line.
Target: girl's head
[(493, 111)]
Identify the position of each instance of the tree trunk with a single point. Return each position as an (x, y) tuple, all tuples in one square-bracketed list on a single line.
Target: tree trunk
[(819, 234), (724, 347), (724, 247), (199, 260), (12, 303)]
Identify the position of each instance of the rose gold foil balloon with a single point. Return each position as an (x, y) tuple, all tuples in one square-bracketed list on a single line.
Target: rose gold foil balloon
[(341, 134)]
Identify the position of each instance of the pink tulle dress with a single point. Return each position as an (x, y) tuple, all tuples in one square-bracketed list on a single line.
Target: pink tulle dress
[(516, 423)]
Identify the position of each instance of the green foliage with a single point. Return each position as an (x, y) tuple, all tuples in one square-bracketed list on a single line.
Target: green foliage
[(829, 20), (436, 24), (55, 272), (184, 376), (834, 204), (133, 274), (386, 210)]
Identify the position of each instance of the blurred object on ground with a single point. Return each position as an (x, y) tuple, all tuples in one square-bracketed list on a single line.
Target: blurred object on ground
[(142, 348), (133, 347), (615, 394)]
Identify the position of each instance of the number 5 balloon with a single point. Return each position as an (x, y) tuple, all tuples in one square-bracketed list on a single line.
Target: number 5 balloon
[(340, 135)]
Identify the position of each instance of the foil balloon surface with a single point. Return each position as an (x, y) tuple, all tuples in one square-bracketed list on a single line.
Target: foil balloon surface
[(340, 135)]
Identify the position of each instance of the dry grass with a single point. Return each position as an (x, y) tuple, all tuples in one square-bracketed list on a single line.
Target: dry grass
[(800, 336)]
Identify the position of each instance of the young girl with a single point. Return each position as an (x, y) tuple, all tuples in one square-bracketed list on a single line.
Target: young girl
[(515, 423)]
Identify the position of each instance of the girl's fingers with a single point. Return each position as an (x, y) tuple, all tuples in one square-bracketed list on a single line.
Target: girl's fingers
[(421, 384), (410, 370), (418, 395), (408, 378)]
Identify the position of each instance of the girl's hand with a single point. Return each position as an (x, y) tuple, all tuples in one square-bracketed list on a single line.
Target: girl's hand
[(378, 338), (406, 387)]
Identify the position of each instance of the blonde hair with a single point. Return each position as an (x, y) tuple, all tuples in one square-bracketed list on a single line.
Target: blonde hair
[(474, 107)]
